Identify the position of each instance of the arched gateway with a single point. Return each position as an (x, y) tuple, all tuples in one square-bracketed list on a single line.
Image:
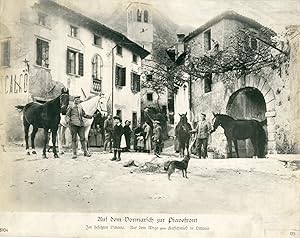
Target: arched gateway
[(253, 98)]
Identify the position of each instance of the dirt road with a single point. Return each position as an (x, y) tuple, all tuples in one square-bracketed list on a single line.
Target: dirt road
[(96, 184)]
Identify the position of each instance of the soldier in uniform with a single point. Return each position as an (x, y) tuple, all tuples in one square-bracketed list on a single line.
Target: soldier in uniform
[(108, 129), (74, 117), (127, 133), (157, 138), (202, 133), (116, 136)]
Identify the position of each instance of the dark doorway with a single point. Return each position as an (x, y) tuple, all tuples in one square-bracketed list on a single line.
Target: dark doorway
[(246, 103)]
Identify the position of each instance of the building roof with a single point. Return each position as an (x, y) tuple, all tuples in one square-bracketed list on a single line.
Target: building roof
[(226, 15), (93, 25), (137, 2)]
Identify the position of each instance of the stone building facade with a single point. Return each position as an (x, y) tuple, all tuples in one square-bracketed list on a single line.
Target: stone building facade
[(263, 95), (50, 46)]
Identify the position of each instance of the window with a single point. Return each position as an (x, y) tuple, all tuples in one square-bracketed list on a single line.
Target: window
[(120, 76), (97, 68), (119, 113), (135, 82), (42, 19), (5, 53), (42, 53), (207, 40), (98, 40), (253, 43), (73, 31), (207, 82), (74, 62), (134, 58), (119, 50), (139, 15), (149, 77), (134, 119), (97, 65), (150, 97), (146, 16)]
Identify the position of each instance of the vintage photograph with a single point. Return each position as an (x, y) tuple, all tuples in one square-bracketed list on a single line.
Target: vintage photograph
[(170, 111)]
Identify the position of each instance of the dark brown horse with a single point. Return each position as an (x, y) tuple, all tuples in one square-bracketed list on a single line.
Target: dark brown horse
[(46, 116), (183, 134), (235, 130)]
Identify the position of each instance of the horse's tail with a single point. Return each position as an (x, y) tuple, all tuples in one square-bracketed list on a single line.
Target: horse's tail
[(21, 108), (261, 141)]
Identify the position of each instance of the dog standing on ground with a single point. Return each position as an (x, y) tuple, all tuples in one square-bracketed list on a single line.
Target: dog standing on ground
[(175, 164)]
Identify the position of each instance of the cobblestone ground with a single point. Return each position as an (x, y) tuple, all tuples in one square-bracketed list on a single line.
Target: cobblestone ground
[(263, 187)]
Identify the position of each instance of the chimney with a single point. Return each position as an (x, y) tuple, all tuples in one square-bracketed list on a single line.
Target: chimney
[(179, 44)]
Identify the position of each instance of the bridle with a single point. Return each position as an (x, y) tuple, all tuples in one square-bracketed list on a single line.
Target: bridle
[(213, 120), (61, 96)]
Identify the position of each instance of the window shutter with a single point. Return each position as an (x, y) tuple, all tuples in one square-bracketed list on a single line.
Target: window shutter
[(123, 82), (8, 54), (132, 81), (80, 66), (68, 62), (38, 52), (46, 54), (5, 53), (138, 83), (117, 76)]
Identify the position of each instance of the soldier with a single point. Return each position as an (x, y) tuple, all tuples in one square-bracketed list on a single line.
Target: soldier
[(108, 129), (116, 136), (202, 133), (157, 137), (74, 117), (127, 133)]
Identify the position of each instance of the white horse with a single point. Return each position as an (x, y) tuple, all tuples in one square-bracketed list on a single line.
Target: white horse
[(90, 106)]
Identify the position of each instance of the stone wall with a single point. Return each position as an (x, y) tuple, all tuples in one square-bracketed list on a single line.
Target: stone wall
[(279, 87)]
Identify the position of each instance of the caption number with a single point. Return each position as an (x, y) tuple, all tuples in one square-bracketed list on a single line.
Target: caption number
[(3, 229), (292, 233)]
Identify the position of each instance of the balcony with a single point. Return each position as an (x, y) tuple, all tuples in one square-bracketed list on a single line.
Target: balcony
[(97, 86)]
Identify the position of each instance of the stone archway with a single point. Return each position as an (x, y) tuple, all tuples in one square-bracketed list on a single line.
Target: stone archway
[(262, 88), (246, 103)]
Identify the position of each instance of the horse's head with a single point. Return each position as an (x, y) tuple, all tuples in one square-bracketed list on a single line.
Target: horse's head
[(216, 122), (183, 118), (102, 105), (183, 124), (64, 100), (94, 103)]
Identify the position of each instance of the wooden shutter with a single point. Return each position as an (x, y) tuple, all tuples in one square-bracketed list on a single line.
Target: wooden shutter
[(5, 53), (38, 52), (8, 54), (138, 83), (123, 78), (68, 62), (80, 65), (132, 81), (117, 76)]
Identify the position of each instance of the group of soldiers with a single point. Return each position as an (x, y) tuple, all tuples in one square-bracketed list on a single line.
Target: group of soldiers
[(118, 138)]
